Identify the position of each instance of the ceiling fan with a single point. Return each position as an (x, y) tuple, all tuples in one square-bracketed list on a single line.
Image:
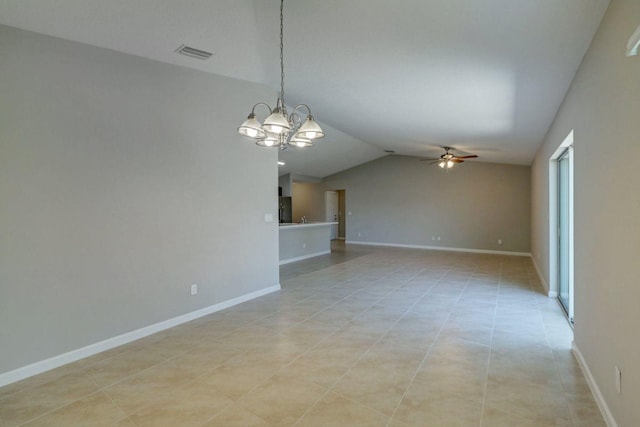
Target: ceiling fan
[(448, 160)]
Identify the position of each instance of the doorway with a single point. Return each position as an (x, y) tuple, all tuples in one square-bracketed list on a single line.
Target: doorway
[(335, 212)]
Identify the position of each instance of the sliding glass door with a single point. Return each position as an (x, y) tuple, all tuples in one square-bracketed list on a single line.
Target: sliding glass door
[(565, 263)]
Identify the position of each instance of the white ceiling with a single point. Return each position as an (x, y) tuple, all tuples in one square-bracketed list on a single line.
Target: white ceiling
[(484, 76)]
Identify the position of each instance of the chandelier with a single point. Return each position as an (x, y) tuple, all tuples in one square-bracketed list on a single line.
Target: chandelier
[(281, 129)]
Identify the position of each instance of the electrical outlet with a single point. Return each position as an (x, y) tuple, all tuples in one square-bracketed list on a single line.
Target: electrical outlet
[(438, 238), (359, 234), (304, 246), (194, 289), (499, 241), (618, 380)]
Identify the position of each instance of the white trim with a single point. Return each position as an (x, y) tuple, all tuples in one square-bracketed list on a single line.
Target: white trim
[(440, 248), (74, 355), (300, 258), (545, 285), (595, 390)]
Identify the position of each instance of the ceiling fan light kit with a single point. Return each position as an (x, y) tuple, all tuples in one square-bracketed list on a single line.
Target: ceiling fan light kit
[(281, 129), (449, 160), (448, 164)]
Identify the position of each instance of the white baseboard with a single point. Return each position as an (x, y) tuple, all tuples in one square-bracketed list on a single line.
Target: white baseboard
[(74, 355), (441, 248), (595, 390), (300, 258), (545, 285)]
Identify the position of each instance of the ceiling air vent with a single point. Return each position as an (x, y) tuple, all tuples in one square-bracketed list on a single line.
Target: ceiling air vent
[(194, 53)]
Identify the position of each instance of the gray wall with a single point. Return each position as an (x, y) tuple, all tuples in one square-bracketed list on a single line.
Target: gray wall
[(603, 109), (119, 187), (400, 200), (303, 241)]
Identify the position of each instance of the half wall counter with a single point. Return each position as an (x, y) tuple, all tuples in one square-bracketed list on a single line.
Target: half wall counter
[(300, 241)]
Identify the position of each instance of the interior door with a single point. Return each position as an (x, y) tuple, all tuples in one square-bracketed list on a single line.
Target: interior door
[(331, 211)]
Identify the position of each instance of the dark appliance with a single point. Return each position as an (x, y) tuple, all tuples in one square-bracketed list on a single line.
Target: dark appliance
[(284, 210)]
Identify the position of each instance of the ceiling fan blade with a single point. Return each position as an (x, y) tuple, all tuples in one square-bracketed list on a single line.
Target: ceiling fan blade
[(473, 156), (427, 158), (456, 160)]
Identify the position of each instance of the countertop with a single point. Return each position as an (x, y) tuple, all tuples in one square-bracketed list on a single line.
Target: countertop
[(290, 225)]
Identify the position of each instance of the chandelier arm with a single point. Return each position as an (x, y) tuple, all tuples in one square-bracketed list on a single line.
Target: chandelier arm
[(253, 110), (305, 106)]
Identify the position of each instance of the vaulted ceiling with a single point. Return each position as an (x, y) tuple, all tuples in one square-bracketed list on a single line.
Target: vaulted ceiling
[(484, 76)]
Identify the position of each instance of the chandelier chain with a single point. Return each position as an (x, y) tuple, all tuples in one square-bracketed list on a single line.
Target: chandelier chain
[(282, 51), (279, 128)]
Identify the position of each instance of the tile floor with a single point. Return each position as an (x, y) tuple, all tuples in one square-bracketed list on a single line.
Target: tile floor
[(362, 337)]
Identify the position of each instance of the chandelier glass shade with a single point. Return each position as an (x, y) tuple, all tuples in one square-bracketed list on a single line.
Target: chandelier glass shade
[(279, 128)]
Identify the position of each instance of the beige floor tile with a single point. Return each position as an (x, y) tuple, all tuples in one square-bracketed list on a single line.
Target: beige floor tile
[(495, 418), (474, 333), (460, 378), (459, 350), (202, 360), (236, 416), (235, 381), (123, 365), (394, 422), (281, 400), (585, 412), (324, 371), (540, 403), (77, 368), (148, 387), (126, 422), (26, 405), (189, 406), (381, 389), (93, 411), (424, 405), (517, 370), (334, 410), (390, 356)]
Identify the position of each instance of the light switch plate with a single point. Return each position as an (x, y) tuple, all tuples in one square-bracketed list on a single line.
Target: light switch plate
[(268, 217)]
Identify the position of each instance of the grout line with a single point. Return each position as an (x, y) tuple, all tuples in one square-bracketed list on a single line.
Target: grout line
[(329, 390), (493, 332), (428, 352)]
